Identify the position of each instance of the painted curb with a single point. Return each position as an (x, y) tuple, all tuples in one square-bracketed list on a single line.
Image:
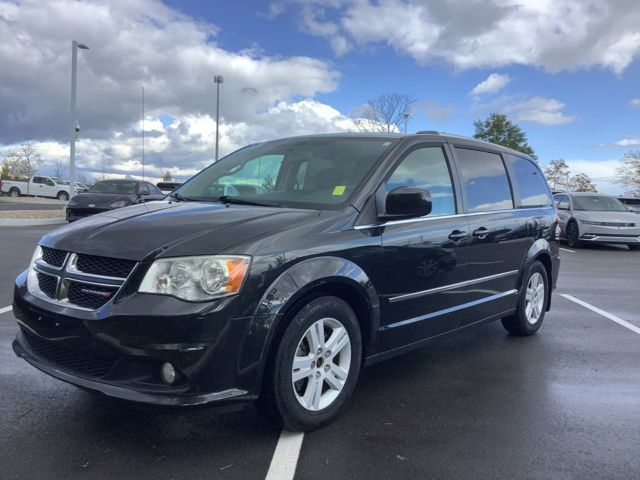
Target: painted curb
[(31, 222)]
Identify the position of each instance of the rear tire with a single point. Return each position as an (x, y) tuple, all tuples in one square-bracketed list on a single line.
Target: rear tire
[(63, 196), (14, 192), (313, 371), (573, 234), (532, 305)]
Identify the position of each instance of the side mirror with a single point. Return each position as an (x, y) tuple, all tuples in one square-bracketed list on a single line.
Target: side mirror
[(407, 202)]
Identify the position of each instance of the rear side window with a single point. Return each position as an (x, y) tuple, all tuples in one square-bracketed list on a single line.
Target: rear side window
[(485, 181), (426, 168), (530, 182)]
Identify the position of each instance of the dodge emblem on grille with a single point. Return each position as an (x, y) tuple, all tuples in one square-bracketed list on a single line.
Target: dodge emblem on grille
[(96, 292), (91, 205)]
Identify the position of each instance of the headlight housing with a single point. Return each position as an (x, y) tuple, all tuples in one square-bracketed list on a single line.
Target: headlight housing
[(196, 278), (119, 203)]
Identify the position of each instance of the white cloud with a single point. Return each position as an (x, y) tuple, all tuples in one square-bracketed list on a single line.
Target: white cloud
[(627, 142), (132, 43), (602, 173), (186, 145), (635, 102), (541, 110), (551, 34), (492, 84)]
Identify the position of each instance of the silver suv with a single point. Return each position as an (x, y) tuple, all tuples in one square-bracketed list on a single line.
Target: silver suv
[(596, 218)]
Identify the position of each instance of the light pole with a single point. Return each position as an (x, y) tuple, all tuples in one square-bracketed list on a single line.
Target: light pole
[(74, 126), (217, 79), (405, 115)]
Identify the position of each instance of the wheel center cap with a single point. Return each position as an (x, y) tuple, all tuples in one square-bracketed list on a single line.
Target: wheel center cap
[(319, 362)]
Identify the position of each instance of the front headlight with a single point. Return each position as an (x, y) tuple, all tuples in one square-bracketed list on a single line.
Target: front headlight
[(196, 278), (119, 203)]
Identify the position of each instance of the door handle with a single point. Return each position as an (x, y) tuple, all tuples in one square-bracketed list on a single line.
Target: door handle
[(481, 232), (457, 235)]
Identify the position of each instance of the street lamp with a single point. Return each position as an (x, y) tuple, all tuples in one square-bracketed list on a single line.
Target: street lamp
[(75, 128), (405, 115), (217, 79)]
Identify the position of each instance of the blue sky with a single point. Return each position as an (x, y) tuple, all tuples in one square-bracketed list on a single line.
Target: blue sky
[(567, 73)]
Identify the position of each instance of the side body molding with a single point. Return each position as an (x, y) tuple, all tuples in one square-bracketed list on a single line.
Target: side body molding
[(292, 285)]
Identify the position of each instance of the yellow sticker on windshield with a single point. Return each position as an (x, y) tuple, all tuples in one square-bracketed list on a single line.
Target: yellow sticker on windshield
[(338, 190)]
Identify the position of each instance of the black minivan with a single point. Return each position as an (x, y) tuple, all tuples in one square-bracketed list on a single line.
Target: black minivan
[(278, 272)]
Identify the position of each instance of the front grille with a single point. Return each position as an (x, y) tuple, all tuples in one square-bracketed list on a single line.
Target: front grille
[(48, 284), (53, 256), (73, 361), (88, 295), (105, 266)]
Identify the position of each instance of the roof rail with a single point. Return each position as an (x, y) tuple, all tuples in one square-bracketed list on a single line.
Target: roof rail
[(433, 132)]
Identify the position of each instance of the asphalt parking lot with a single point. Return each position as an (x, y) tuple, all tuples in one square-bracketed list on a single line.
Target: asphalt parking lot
[(562, 404)]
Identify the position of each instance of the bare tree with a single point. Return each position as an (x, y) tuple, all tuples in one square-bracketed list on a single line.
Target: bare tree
[(25, 161), (167, 176), (60, 168), (387, 113), (628, 173), (582, 183)]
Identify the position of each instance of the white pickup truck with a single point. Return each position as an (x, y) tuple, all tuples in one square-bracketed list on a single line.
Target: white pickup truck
[(37, 186)]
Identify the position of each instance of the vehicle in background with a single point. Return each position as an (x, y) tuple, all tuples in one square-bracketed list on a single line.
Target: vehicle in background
[(79, 186), (111, 194), (596, 218), (337, 251), (36, 186), (632, 203), (168, 187)]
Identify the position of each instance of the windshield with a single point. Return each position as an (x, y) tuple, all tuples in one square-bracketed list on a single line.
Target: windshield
[(316, 172), (597, 203), (122, 188)]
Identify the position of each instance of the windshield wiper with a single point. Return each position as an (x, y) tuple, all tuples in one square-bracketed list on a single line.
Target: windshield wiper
[(240, 201), (180, 198)]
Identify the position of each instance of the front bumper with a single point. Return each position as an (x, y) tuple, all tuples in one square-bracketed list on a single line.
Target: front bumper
[(610, 238), (119, 349), (74, 214)]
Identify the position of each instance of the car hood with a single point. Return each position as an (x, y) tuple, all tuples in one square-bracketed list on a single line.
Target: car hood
[(171, 229), (609, 217), (99, 200)]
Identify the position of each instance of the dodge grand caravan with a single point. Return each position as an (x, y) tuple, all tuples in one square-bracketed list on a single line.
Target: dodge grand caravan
[(338, 252)]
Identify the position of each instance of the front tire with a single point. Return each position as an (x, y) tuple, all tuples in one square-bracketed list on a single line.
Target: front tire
[(532, 304), (63, 196), (573, 235), (312, 374)]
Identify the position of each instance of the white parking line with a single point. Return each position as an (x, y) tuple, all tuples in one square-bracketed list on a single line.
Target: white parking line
[(567, 250), (285, 458), (608, 315), (5, 309)]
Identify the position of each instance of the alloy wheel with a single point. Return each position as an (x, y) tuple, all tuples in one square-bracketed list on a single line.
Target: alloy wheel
[(534, 298), (321, 364)]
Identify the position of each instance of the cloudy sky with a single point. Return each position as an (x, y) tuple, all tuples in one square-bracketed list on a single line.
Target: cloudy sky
[(568, 72)]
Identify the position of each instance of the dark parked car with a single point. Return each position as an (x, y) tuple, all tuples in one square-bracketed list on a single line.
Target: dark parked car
[(346, 250), (110, 194), (632, 203)]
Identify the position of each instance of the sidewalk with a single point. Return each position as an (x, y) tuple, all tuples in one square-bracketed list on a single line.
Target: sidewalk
[(27, 218)]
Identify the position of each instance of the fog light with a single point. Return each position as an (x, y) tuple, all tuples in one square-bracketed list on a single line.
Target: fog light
[(168, 373)]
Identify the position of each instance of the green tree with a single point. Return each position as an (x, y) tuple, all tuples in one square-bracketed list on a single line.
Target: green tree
[(558, 174), (167, 176), (499, 129)]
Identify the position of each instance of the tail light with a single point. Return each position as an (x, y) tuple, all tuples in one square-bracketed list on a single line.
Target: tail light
[(558, 228)]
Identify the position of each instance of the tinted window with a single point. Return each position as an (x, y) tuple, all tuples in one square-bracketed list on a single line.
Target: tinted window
[(426, 168), (485, 180), (107, 186), (311, 172), (37, 179), (531, 184), (143, 189)]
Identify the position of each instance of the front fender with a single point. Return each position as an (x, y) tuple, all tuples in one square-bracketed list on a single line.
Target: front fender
[(292, 285)]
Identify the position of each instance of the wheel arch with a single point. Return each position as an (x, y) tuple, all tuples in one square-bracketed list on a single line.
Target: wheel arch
[(311, 278), (540, 251)]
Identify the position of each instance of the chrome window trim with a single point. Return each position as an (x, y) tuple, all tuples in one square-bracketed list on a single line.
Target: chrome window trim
[(439, 217), (451, 286), (449, 310)]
